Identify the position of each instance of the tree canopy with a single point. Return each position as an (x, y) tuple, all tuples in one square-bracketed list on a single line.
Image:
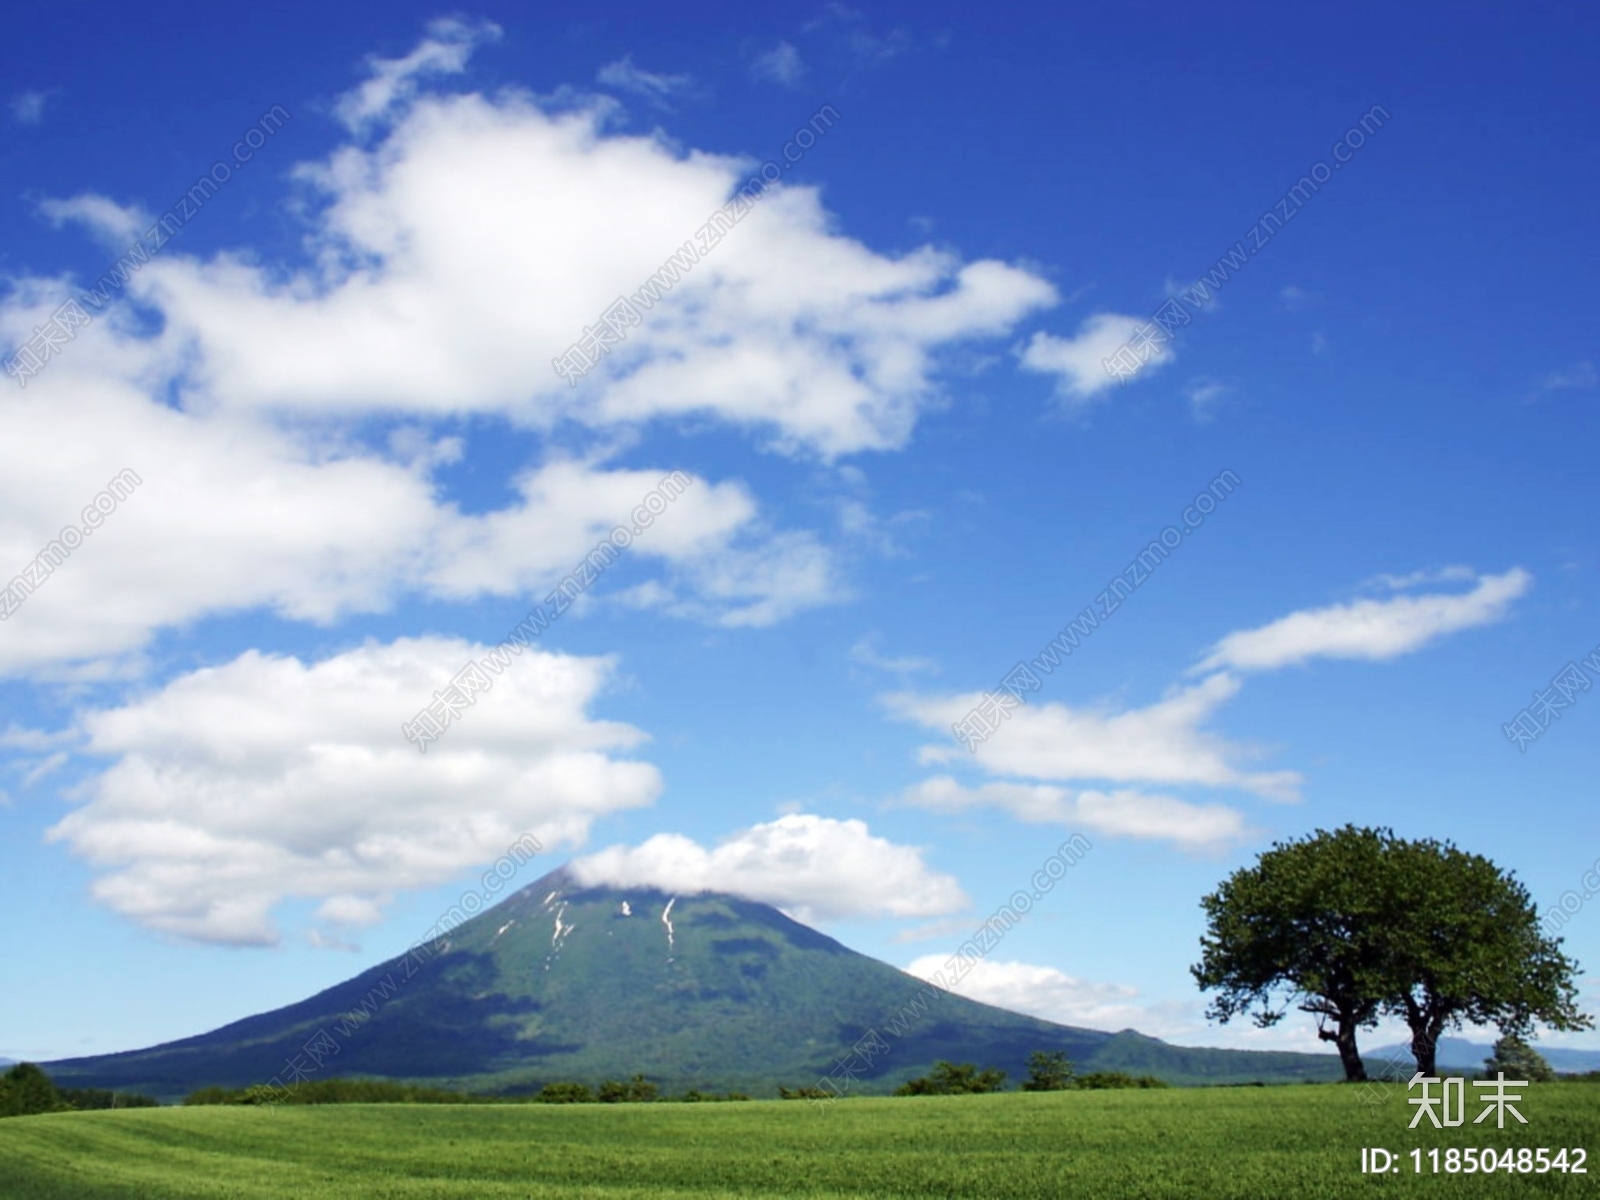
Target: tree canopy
[(1515, 1059), (1048, 1071), (1357, 924)]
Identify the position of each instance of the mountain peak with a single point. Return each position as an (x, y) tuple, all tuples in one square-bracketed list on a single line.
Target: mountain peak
[(566, 980)]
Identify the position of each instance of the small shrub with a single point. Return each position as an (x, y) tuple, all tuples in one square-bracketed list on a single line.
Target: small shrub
[(954, 1079)]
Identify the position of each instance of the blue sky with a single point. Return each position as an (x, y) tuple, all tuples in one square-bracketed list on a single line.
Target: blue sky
[(908, 470)]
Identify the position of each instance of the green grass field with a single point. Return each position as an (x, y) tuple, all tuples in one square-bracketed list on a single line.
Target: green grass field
[(1299, 1141)]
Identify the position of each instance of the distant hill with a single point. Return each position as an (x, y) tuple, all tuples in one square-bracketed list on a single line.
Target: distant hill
[(1459, 1054), (709, 991)]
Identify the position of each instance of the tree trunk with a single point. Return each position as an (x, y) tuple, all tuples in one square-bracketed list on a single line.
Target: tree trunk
[(1344, 1040), (1425, 1044)]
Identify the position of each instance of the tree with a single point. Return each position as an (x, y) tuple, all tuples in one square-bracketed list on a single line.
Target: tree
[(1358, 923), (637, 1090), (1300, 927), (954, 1079), (1465, 945), (1048, 1072), (1518, 1060), (26, 1090)]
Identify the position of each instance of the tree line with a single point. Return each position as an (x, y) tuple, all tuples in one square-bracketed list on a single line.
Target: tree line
[(25, 1091)]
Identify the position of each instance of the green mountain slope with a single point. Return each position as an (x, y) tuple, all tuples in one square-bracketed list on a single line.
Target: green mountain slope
[(709, 991)]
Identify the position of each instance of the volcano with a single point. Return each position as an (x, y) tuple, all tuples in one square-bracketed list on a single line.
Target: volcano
[(562, 981)]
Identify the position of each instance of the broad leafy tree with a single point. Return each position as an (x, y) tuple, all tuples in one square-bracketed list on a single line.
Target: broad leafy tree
[(1356, 924), (1302, 928), (1048, 1071), (1465, 945)]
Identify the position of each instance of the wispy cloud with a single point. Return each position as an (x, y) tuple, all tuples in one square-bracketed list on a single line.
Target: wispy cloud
[(1294, 297), (782, 64), (865, 652), (1121, 813), (392, 82), (1205, 396), (27, 108), (1578, 377), (626, 76), (1375, 630)]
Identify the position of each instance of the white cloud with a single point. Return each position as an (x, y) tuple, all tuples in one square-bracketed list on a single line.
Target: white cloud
[(1400, 583), (1122, 813), (27, 108), (1368, 629), (1053, 995), (450, 262), (782, 64), (865, 652), (1164, 743), (472, 247), (1294, 297), (393, 82), (236, 513), (815, 868), (1578, 377), (1205, 396), (626, 76), (747, 588), (1078, 362), (114, 224), (236, 787)]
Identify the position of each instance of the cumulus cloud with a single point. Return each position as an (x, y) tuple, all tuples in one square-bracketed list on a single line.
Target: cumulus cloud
[(815, 868), (234, 513), (452, 257), (1078, 362), (1122, 813), (236, 787), (1375, 630), (470, 248), (1164, 743), (1053, 995)]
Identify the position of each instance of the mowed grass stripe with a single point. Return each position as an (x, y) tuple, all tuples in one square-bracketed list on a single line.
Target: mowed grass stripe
[(1302, 1141)]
